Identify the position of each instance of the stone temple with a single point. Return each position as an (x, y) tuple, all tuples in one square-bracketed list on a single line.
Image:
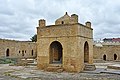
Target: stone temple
[(67, 45)]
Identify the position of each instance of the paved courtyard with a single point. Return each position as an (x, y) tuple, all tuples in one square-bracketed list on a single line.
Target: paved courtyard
[(32, 73)]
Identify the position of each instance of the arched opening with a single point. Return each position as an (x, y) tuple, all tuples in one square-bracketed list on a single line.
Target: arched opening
[(104, 57), (7, 53), (86, 52), (62, 22), (115, 56), (32, 53), (55, 52)]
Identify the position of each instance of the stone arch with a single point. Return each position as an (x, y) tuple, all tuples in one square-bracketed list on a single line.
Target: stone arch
[(55, 52), (115, 56), (86, 52), (7, 53), (104, 57)]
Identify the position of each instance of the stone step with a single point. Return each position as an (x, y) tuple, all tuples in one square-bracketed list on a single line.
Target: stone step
[(98, 61), (115, 66), (54, 68), (89, 67), (55, 65)]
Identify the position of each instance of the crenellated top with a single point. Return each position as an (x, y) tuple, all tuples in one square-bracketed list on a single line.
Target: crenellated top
[(66, 19)]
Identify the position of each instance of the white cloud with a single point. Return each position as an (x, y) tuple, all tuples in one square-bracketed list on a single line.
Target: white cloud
[(19, 18)]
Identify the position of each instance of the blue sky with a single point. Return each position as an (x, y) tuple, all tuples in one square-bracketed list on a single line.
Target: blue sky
[(19, 18)]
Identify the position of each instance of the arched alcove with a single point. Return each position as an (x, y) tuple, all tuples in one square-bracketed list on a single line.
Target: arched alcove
[(86, 52), (7, 53), (115, 56), (104, 57), (55, 54), (32, 53)]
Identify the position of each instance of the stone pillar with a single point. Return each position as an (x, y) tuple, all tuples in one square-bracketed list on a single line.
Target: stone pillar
[(88, 24), (74, 18), (42, 23)]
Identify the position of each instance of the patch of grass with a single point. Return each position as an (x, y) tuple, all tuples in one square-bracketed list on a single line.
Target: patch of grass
[(6, 61)]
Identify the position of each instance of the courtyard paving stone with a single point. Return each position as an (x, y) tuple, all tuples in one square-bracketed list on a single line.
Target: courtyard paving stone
[(32, 73)]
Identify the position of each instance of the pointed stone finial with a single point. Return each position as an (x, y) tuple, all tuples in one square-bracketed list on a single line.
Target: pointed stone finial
[(66, 13)]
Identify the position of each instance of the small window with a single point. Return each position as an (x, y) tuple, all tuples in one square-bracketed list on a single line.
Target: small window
[(32, 53), (62, 22), (22, 52), (19, 51), (25, 51)]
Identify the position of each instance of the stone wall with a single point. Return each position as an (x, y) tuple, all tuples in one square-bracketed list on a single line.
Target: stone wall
[(17, 49), (110, 50)]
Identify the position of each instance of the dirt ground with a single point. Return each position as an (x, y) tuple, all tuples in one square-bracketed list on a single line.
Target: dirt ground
[(32, 73)]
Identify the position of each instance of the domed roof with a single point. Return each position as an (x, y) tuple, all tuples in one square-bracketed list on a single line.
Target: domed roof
[(65, 19), (66, 16)]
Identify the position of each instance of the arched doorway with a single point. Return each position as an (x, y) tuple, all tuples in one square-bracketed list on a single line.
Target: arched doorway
[(86, 52), (115, 56), (7, 53), (55, 52), (104, 57)]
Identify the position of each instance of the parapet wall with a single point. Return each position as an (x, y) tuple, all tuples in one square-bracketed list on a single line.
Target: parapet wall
[(107, 43)]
